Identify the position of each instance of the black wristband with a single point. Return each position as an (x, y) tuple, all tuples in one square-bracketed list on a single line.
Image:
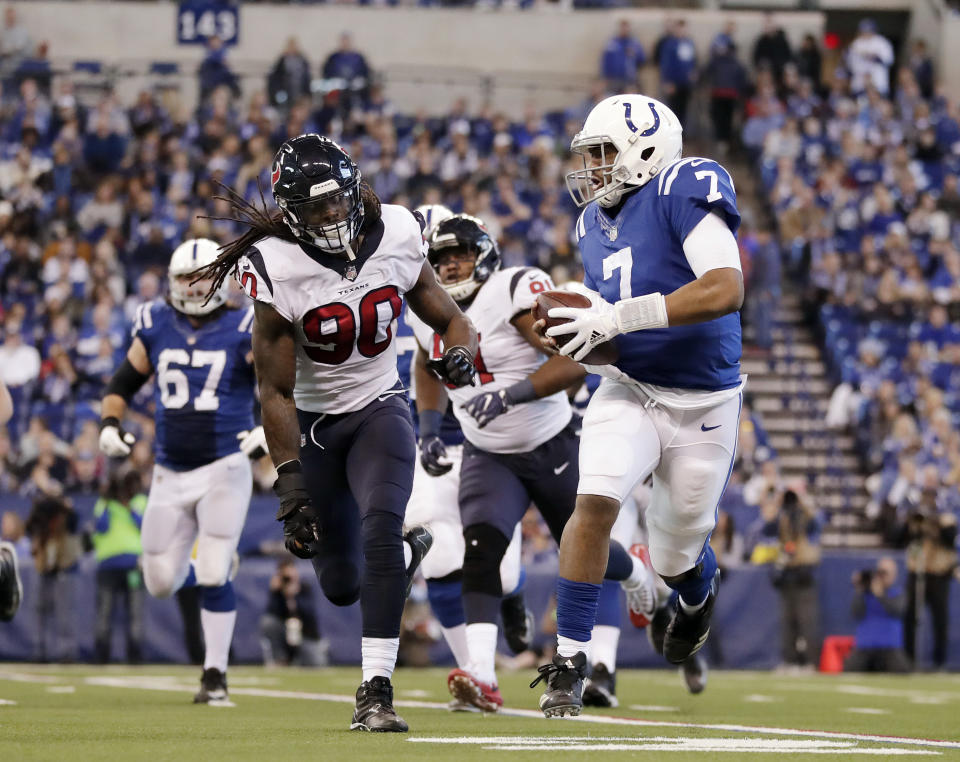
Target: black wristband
[(430, 422), (110, 420), (290, 467), (521, 392)]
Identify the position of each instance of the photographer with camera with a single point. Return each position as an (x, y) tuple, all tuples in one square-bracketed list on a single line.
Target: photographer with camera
[(288, 629), (797, 528), (930, 536), (878, 606)]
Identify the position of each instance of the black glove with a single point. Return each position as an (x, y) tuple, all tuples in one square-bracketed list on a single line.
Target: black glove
[(432, 454), (301, 527), (488, 405), (455, 367)]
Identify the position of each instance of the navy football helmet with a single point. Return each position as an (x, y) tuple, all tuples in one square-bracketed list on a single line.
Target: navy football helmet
[(464, 233), (317, 187)]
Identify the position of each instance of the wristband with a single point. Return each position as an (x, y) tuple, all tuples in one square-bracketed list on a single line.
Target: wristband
[(110, 420), (521, 392), (641, 313), (430, 422)]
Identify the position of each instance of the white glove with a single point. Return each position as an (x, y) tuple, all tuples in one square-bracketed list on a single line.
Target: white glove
[(253, 444), (114, 441), (591, 326)]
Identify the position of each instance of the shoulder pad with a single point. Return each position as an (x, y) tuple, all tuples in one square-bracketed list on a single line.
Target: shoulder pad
[(690, 187)]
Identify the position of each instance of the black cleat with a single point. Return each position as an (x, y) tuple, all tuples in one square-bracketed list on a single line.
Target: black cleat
[(420, 540), (686, 633), (563, 695), (695, 673), (213, 688), (374, 710), (600, 689), (518, 623), (11, 589)]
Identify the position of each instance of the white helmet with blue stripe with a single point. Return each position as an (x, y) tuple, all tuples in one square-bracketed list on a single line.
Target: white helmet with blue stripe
[(433, 215), (191, 298), (626, 140)]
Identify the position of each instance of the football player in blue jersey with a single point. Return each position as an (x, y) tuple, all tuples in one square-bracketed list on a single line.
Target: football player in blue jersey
[(11, 589), (657, 239), (200, 351)]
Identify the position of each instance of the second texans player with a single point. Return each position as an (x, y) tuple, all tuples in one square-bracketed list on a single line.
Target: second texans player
[(520, 444), (200, 350), (657, 238)]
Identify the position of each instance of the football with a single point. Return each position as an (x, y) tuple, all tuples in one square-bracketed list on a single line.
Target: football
[(602, 354)]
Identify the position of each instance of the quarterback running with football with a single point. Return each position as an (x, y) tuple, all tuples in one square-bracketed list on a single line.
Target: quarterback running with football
[(328, 274), (520, 445), (199, 349), (657, 239)]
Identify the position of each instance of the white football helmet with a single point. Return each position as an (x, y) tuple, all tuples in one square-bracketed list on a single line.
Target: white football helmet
[(644, 133), (187, 297), (433, 215)]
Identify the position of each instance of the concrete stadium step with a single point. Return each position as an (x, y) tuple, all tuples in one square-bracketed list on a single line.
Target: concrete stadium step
[(808, 441), (813, 407), (756, 366), (812, 386), (782, 333), (847, 539), (817, 461), (805, 350)]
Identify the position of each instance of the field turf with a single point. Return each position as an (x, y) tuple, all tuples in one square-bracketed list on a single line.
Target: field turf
[(70, 714)]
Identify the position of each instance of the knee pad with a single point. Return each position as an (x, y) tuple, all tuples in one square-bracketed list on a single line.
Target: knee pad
[(485, 548), (161, 576), (214, 559), (446, 555)]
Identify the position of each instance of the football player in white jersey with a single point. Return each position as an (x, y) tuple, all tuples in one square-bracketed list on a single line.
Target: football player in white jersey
[(328, 274), (433, 503), (520, 445), (200, 350), (657, 239)]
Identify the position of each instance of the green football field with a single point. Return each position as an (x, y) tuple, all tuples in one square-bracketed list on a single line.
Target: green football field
[(70, 714)]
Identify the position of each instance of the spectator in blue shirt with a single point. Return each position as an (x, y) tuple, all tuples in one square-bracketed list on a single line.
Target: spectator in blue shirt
[(348, 72), (878, 606), (622, 59), (678, 66), (214, 71)]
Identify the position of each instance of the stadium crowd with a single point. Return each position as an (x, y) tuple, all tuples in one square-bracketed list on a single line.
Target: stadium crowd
[(861, 172)]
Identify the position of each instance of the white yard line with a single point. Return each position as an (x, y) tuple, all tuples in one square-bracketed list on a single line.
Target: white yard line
[(146, 683)]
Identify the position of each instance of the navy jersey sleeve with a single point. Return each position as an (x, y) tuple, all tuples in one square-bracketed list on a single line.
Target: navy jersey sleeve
[(147, 324), (692, 188)]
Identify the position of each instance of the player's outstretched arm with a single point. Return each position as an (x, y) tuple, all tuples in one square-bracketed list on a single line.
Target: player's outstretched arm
[(437, 309), (128, 378), (274, 355), (275, 358)]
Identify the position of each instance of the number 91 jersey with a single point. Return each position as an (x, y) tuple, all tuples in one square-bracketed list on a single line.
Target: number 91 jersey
[(205, 383), (343, 311), (504, 358)]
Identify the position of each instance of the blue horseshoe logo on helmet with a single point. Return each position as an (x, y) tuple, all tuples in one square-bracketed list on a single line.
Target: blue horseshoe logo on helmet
[(627, 107)]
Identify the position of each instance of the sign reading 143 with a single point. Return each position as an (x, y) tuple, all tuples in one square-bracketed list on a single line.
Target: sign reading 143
[(199, 19)]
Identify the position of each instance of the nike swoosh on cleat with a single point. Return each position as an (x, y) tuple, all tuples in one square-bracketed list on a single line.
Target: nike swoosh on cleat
[(704, 427), (560, 469)]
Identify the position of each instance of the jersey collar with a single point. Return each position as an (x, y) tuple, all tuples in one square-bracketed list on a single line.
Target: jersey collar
[(348, 268)]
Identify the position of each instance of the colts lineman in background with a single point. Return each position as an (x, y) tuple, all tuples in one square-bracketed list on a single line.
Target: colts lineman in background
[(660, 253), (11, 588), (434, 504), (200, 350), (520, 445), (328, 274)]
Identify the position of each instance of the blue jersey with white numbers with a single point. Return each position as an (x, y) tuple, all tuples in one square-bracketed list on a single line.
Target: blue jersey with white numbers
[(450, 432), (640, 252), (204, 386)]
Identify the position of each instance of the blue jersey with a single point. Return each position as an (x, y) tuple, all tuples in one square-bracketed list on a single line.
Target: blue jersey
[(640, 252), (450, 432), (204, 386)]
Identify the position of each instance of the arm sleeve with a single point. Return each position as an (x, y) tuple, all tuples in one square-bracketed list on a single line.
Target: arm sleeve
[(711, 245), (692, 188)]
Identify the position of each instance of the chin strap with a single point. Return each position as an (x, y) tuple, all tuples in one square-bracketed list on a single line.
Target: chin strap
[(349, 250)]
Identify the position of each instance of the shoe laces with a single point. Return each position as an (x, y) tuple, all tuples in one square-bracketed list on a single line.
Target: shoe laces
[(641, 598), (550, 669)]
